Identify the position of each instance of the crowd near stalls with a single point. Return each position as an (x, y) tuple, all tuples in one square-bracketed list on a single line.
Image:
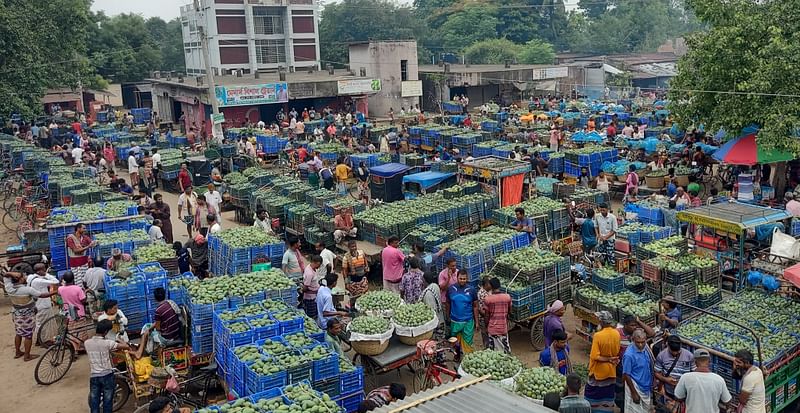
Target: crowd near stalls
[(287, 266)]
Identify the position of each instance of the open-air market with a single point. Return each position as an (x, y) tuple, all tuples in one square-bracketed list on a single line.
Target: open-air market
[(248, 206)]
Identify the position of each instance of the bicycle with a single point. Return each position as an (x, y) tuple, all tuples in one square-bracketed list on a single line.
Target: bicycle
[(54, 364), (433, 363)]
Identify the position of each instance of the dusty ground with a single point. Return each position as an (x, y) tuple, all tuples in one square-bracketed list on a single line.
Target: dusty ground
[(21, 393)]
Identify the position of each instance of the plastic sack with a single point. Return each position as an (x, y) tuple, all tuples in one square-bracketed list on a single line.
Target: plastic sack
[(142, 368), (784, 245), (418, 330), (383, 337)]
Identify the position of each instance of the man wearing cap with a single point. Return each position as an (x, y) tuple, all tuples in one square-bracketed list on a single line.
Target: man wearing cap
[(702, 390), (118, 260), (671, 364), (603, 359), (637, 372), (792, 206)]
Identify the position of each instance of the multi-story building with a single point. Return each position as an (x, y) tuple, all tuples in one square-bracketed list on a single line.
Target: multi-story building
[(251, 35)]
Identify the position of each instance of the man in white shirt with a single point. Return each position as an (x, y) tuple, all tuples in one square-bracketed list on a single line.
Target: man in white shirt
[(77, 154), (94, 278), (213, 226), (156, 166), (263, 221), (101, 378), (702, 390), (752, 396), (213, 199), (317, 133), (41, 281), (155, 233), (260, 125), (606, 228), (187, 201), (328, 260), (133, 169)]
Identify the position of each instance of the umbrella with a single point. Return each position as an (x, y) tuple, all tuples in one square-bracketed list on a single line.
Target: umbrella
[(744, 151)]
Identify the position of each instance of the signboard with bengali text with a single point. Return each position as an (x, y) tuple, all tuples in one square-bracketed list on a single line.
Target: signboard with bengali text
[(261, 94)]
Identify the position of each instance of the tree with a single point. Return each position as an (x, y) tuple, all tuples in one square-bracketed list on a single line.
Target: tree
[(517, 20), (40, 52), (122, 48), (595, 8), (553, 23), (743, 70), (169, 37), (492, 51), (473, 23), (361, 20), (537, 52)]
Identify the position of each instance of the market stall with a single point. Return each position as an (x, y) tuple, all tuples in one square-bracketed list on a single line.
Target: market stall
[(505, 176), (386, 181), (723, 228)]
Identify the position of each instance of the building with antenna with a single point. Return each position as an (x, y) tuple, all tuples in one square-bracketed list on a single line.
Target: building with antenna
[(251, 35)]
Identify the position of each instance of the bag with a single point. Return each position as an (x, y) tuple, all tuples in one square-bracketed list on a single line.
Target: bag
[(172, 385), (784, 245)]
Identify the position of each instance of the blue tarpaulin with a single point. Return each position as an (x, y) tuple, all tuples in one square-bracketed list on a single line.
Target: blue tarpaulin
[(389, 170), (427, 179)]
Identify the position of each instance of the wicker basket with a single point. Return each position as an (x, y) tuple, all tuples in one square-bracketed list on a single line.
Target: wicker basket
[(654, 182), (369, 347), (682, 180), (412, 341)]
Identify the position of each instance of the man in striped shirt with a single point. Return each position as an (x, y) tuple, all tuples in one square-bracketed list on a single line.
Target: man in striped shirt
[(497, 306)]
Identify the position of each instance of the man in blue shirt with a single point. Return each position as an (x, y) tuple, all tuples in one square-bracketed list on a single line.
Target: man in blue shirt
[(637, 371), (525, 224), (670, 314), (462, 305), (325, 308), (588, 232), (559, 346)]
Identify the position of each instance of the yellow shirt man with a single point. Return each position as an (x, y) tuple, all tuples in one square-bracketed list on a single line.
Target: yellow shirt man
[(605, 343), (342, 172)]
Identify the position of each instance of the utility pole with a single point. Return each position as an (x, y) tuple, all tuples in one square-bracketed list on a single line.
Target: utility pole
[(212, 94)]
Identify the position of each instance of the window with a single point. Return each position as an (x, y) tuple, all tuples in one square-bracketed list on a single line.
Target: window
[(404, 70), (192, 26), (267, 20), (270, 51)]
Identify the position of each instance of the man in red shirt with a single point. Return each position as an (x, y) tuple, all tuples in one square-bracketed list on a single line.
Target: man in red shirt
[(497, 306), (611, 131), (468, 121), (302, 153), (76, 127), (166, 328), (184, 179)]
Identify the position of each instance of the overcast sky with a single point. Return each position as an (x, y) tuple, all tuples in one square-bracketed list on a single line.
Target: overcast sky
[(169, 9)]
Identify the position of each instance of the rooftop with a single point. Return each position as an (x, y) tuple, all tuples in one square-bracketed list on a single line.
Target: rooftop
[(479, 68), (249, 79)]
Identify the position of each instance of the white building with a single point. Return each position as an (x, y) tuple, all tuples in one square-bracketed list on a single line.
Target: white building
[(394, 63), (252, 35)]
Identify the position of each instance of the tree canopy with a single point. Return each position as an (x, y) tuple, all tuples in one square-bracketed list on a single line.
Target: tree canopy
[(743, 70)]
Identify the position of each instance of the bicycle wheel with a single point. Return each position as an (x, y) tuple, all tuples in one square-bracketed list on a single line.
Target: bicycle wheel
[(421, 380), (121, 393), (51, 328), (54, 364), (537, 334)]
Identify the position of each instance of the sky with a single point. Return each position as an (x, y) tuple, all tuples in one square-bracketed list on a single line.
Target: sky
[(169, 9)]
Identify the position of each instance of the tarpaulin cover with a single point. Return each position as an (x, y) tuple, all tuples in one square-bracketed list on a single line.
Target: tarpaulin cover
[(512, 189), (388, 170), (427, 179)]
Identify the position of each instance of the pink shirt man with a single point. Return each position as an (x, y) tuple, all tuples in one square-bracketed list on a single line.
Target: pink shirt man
[(74, 296), (392, 259), (450, 277)]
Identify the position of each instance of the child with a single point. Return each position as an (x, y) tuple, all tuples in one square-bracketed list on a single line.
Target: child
[(483, 292), (183, 256)]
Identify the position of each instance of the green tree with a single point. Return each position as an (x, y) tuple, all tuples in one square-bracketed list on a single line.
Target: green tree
[(518, 20), (595, 8), (361, 20), (743, 70), (537, 52), (169, 38), (492, 51), (43, 43), (473, 23), (122, 48), (435, 12), (553, 23)]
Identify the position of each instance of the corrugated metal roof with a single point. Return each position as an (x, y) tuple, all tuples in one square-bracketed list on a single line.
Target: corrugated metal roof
[(483, 397)]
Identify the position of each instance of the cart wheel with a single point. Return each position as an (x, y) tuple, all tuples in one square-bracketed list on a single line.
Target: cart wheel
[(537, 334), (121, 393), (420, 381), (54, 364)]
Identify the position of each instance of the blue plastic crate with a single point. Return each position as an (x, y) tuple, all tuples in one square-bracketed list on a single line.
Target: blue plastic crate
[(352, 381), (328, 386), (266, 395), (538, 303), (291, 326), (325, 368), (231, 339), (613, 285), (153, 283), (255, 383), (160, 272), (350, 402), (265, 331)]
